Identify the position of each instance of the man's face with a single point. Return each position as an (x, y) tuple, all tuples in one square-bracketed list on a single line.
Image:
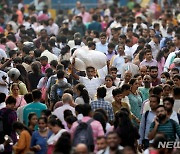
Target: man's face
[(143, 71), (153, 103), (101, 144), (176, 81), (168, 106), (43, 34), (154, 73), (120, 49), (113, 140), (110, 50), (161, 113), (127, 76), (145, 32), (118, 97), (147, 79), (114, 74), (103, 39), (148, 56), (90, 73)]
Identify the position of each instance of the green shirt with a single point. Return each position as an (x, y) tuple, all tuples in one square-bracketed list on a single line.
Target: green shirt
[(170, 129), (35, 107), (144, 92)]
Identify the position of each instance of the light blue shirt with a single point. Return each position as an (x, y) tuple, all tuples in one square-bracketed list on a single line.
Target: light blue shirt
[(118, 63), (102, 47)]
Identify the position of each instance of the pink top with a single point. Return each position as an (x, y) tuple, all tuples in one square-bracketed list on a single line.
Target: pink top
[(96, 128), (20, 101), (43, 68), (86, 17), (161, 66)]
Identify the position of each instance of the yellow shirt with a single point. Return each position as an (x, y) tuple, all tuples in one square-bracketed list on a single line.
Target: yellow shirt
[(117, 108)]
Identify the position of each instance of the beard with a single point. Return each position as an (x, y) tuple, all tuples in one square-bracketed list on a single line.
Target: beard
[(162, 117)]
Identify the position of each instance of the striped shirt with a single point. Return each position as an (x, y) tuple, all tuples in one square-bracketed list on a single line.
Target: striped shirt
[(170, 129)]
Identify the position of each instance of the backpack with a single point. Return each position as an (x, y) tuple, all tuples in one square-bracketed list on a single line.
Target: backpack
[(84, 134), (5, 129)]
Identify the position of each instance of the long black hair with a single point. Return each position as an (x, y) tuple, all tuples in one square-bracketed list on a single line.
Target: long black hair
[(18, 125), (83, 92), (161, 54)]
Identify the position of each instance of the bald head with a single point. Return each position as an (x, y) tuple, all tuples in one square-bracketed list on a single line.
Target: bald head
[(143, 70), (81, 149), (67, 98)]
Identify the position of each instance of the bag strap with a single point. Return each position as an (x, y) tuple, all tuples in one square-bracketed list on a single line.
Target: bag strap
[(145, 121), (178, 116)]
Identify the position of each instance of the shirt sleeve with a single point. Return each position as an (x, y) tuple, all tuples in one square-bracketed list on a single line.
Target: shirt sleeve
[(141, 129)]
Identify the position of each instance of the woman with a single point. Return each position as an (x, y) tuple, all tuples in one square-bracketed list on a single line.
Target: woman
[(57, 128), (36, 75), (167, 90), (135, 99), (161, 60), (40, 137), (8, 29), (165, 76), (127, 132), (82, 93), (109, 85), (20, 101), (23, 144), (32, 118)]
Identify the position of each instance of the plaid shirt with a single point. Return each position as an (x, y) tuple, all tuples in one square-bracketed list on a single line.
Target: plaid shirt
[(101, 103)]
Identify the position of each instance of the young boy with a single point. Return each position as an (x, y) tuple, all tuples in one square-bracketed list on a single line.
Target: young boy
[(113, 73), (44, 64)]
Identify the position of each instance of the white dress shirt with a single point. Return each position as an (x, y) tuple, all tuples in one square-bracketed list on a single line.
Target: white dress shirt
[(118, 62), (50, 55), (102, 47)]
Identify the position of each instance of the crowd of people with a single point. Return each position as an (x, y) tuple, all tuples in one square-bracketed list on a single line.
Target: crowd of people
[(130, 106)]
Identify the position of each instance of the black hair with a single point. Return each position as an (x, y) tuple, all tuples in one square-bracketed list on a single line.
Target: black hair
[(10, 100), (36, 94), (70, 119), (52, 42), (159, 106), (176, 91), (11, 53), (157, 90), (125, 86), (60, 67), (83, 92), (86, 109), (54, 63), (156, 96), (169, 99), (60, 74), (113, 68), (116, 91), (166, 74), (79, 108), (28, 98), (67, 113), (161, 54), (101, 92), (2, 97), (100, 117), (45, 45), (132, 81), (111, 45), (175, 69), (95, 17), (30, 115), (55, 122), (153, 67), (35, 66), (46, 112), (18, 125), (44, 58)]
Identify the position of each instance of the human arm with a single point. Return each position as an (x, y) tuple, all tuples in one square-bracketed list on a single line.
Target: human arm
[(72, 70), (141, 129), (153, 129), (34, 146), (21, 144)]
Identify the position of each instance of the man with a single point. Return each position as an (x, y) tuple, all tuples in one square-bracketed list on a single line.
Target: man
[(125, 92), (155, 47), (102, 46), (119, 59), (113, 142), (176, 95), (143, 71), (101, 103), (79, 26), (55, 49), (43, 38), (9, 116), (154, 75), (149, 60), (164, 125), (97, 129), (113, 73), (126, 79), (36, 106), (129, 66), (53, 27), (110, 51), (130, 36), (176, 79), (58, 88), (118, 104), (85, 15), (44, 64), (168, 103), (95, 25), (76, 10), (101, 144), (44, 48), (91, 83), (145, 89), (165, 40), (146, 120), (67, 100)]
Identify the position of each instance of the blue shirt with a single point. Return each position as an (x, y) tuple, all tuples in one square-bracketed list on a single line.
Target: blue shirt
[(37, 139), (102, 47), (35, 107)]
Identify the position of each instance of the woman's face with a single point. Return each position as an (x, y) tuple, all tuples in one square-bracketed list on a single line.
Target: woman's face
[(34, 120), (108, 82), (42, 125), (135, 85), (139, 78), (77, 91), (15, 90), (54, 129), (166, 91)]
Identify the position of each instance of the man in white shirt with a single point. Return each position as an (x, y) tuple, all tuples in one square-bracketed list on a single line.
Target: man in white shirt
[(102, 45), (155, 47), (44, 48), (90, 82), (67, 100), (119, 59)]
